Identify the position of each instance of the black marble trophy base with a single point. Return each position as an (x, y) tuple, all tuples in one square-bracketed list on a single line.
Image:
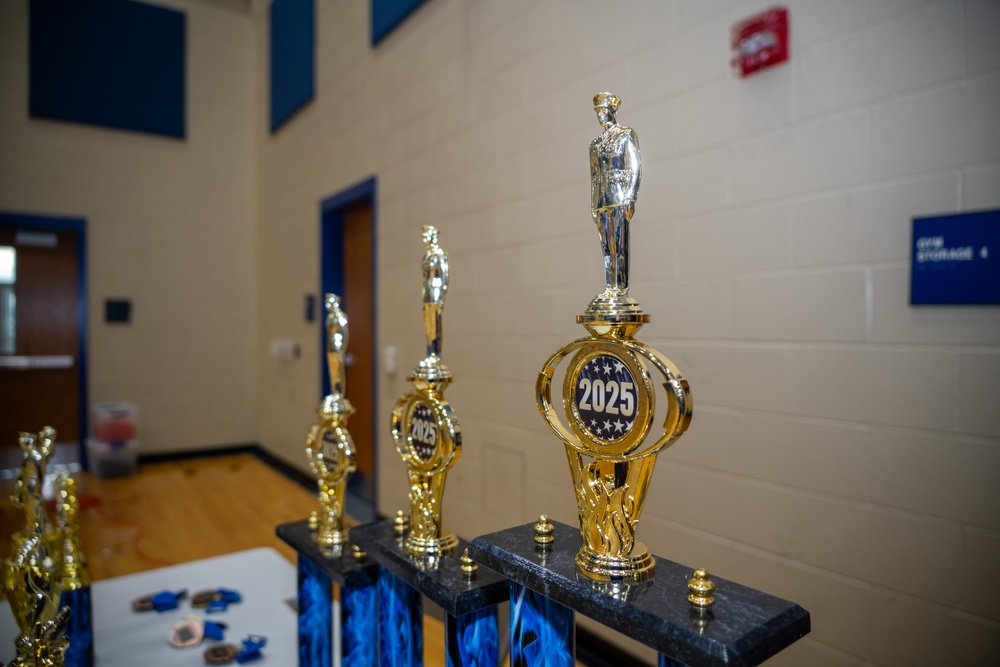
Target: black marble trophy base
[(743, 627)]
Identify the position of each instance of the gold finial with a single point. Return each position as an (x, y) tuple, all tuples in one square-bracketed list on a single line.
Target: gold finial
[(700, 589), (358, 553), (469, 566), (543, 530), (399, 523), (313, 521)]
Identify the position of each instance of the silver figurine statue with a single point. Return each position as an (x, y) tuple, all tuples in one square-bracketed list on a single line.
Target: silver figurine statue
[(615, 171)]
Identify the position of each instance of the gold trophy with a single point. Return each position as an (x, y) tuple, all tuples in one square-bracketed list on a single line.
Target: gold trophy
[(609, 398), (67, 547), (329, 445), (30, 580), (424, 427)]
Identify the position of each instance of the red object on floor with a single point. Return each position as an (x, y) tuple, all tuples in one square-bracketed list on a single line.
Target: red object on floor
[(760, 41)]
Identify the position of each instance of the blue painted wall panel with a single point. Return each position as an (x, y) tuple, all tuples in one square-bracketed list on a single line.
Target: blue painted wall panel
[(115, 63), (293, 58), (387, 14)]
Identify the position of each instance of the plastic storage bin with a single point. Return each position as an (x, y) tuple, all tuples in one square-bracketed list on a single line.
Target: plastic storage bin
[(115, 422), (112, 459)]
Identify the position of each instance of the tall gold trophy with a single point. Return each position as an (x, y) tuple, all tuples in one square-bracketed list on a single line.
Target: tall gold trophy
[(609, 397), (424, 427), (329, 446)]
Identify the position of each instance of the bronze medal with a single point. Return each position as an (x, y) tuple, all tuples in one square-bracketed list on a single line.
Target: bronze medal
[(221, 654), (145, 603), (202, 598)]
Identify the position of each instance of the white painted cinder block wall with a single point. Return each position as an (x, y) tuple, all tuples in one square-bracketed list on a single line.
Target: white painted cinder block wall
[(844, 451), (170, 226)]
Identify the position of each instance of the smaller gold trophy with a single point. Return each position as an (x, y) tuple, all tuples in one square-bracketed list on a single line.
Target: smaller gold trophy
[(31, 578), (329, 446), (67, 546), (609, 397), (424, 427)]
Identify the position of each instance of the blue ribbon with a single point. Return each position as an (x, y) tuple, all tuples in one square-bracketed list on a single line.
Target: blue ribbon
[(252, 644)]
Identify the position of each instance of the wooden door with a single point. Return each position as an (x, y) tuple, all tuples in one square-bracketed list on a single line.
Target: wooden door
[(39, 373), (359, 305)]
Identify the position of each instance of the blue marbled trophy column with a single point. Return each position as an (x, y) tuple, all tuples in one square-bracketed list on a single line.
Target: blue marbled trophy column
[(318, 572), (401, 635), (471, 640), (542, 632), (80, 628), (315, 616), (359, 625), (468, 598)]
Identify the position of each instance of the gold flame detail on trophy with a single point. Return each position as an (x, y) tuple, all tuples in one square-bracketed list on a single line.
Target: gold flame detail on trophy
[(329, 446), (609, 396), (424, 427), (44, 561)]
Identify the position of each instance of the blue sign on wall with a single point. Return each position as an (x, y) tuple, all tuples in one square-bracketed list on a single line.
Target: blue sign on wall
[(956, 259)]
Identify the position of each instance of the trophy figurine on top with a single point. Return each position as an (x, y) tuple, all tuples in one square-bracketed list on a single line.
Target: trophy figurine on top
[(424, 427), (609, 397), (329, 446)]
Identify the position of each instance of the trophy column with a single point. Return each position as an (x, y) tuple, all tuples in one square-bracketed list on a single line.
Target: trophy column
[(417, 557), (33, 574), (329, 446), (609, 396), (424, 427), (75, 578), (322, 542)]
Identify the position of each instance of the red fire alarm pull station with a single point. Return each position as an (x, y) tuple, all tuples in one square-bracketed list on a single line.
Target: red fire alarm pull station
[(760, 41)]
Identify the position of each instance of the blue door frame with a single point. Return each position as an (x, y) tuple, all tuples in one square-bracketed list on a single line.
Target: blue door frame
[(332, 281), (79, 226)]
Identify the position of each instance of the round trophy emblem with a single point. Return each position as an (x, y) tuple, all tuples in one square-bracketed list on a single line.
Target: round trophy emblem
[(423, 435), (605, 398), (330, 450)]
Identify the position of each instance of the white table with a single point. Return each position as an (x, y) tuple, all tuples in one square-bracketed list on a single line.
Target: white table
[(124, 638)]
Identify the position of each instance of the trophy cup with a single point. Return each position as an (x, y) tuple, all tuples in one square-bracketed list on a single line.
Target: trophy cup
[(609, 396), (424, 427), (329, 446)]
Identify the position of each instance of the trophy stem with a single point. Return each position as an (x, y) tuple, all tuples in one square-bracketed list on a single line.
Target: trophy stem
[(330, 530), (610, 497), (426, 537)]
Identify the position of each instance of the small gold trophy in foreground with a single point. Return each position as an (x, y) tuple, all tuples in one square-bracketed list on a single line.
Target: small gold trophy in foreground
[(329, 445), (31, 578), (426, 431), (609, 397)]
